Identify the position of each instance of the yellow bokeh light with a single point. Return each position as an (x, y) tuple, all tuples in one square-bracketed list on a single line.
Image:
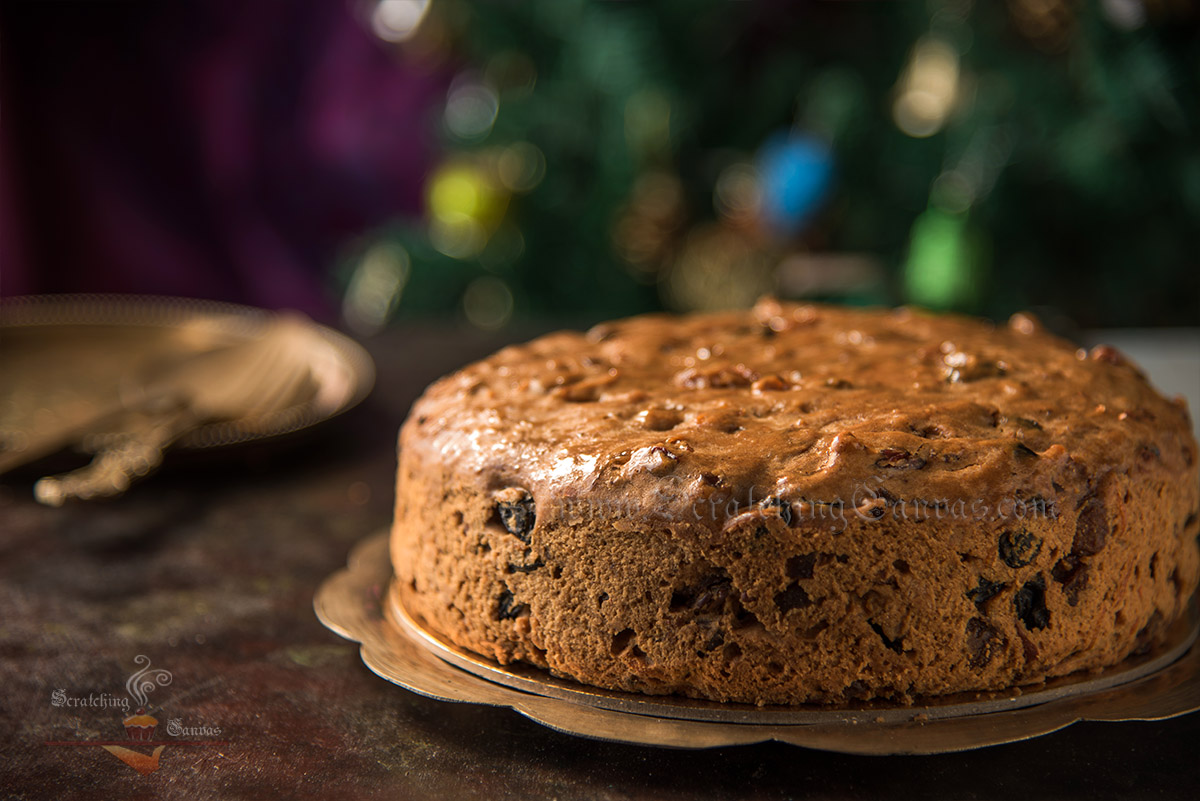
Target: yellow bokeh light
[(458, 191), (465, 205)]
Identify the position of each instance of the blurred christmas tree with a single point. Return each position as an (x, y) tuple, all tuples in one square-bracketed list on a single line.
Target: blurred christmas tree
[(609, 158)]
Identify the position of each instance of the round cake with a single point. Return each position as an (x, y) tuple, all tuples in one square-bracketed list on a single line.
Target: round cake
[(799, 504)]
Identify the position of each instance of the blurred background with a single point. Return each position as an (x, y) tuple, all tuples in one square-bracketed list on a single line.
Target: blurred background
[(378, 161)]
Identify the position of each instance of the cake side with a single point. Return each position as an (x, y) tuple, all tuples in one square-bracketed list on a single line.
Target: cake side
[(952, 510), (772, 613)]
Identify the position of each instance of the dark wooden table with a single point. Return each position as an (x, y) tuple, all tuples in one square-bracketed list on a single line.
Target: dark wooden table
[(209, 568)]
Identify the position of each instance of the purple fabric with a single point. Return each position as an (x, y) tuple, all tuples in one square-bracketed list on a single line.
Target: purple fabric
[(220, 149)]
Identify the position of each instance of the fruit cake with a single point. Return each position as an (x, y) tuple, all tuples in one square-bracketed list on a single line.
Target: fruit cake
[(799, 504)]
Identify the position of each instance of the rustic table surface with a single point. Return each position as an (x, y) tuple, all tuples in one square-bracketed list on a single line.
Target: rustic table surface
[(208, 569)]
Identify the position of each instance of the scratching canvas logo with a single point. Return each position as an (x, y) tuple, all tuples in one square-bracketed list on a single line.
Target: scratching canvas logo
[(143, 745)]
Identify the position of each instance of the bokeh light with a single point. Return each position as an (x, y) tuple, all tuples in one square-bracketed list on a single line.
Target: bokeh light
[(1127, 15), (465, 205), (718, 267), (521, 166), (646, 226), (953, 191), (375, 287), (928, 88), (488, 302), (946, 261), (795, 175), (398, 20), (471, 107), (737, 194)]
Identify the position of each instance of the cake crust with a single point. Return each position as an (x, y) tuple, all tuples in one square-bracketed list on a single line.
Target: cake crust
[(799, 504)]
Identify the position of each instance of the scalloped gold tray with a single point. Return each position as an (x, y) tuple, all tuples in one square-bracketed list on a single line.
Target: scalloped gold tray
[(361, 603)]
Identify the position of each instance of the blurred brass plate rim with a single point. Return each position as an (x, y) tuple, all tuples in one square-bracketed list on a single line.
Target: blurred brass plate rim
[(359, 603), (165, 312)]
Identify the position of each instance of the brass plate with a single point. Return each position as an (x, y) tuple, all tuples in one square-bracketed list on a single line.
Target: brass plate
[(359, 604), (63, 353)]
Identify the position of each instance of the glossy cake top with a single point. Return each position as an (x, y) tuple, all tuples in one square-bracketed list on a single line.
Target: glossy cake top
[(696, 417)]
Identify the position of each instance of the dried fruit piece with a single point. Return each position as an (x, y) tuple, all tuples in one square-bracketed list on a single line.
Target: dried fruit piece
[(801, 566), (507, 609), (513, 567), (929, 431), (1072, 573), (984, 642), (716, 376), (960, 367), (658, 419), (743, 617), (793, 597), (707, 598), (899, 459), (984, 591), (711, 599), (516, 511), (1019, 548), (714, 642), (1028, 647), (585, 390), (1030, 604), (1091, 528), (769, 383)]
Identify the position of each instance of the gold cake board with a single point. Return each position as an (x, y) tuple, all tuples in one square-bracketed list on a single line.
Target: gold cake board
[(362, 603)]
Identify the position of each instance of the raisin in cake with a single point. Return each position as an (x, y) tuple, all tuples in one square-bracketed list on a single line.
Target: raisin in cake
[(798, 504)]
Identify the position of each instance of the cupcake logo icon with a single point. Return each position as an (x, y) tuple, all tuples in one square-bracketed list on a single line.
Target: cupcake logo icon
[(140, 726)]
